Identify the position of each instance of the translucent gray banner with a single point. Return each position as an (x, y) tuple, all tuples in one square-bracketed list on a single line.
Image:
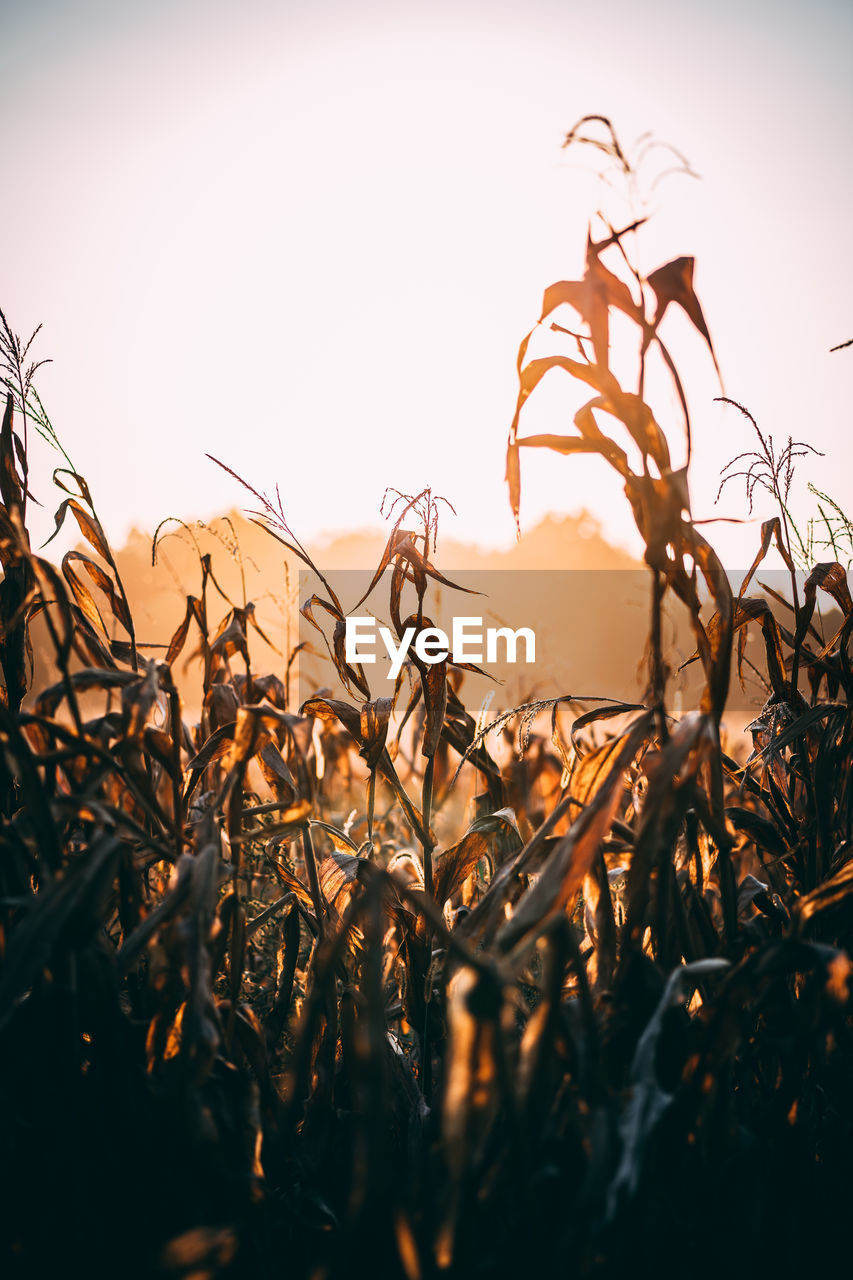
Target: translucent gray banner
[(591, 635)]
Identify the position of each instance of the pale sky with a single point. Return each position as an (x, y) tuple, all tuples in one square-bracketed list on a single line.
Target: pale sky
[(309, 237)]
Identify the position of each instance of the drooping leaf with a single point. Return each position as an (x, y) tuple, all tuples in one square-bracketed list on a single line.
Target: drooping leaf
[(571, 858), (673, 282), (648, 1101)]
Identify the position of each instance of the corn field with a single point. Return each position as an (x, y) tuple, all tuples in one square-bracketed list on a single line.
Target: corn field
[(257, 1018)]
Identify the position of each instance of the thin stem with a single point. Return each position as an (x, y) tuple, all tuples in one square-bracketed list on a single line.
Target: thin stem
[(310, 859), (425, 836)]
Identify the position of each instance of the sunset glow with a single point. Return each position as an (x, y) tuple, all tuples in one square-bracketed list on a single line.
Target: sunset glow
[(426, 680), (308, 226)]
